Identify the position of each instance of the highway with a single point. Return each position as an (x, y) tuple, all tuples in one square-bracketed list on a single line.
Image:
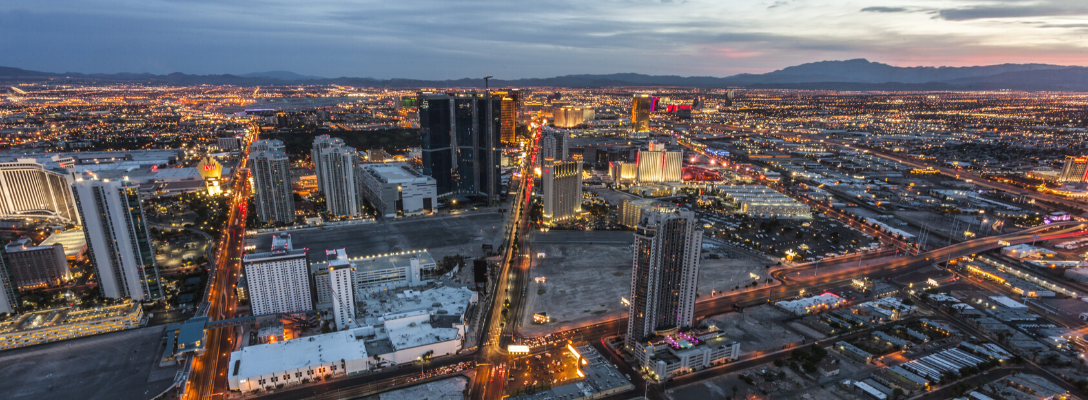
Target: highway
[(207, 376)]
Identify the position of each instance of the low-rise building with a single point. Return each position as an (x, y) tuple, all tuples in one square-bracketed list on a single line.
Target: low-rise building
[(420, 325), (36, 266), (377, 273), (68, 323), (396, 190), (675, 353), (73, 241)]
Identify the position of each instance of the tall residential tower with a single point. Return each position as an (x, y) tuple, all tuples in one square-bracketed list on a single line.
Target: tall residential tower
[(664, 274), (272, 181), (118, 239)]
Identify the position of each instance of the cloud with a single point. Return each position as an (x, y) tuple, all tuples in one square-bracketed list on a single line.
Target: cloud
[(884, 9), (1050, 8)]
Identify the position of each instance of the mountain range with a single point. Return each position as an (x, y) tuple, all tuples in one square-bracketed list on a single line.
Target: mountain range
[(857, 74)]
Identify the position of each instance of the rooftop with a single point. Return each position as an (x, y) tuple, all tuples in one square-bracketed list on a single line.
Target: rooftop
[(73, 241), (297, 353)]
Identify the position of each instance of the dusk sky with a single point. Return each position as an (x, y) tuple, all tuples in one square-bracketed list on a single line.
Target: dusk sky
[(440, 39)]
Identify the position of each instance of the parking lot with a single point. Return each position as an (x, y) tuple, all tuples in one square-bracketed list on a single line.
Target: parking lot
[(552, 368), (809, 240), (441, 235), (118, 365)]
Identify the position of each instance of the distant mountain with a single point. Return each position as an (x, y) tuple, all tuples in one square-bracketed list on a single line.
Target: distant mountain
[(281, 75), (858, 74)]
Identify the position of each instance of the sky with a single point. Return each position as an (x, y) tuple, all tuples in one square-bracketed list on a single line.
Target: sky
[(451, 39)]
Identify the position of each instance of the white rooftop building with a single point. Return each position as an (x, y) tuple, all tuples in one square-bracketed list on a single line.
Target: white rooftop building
[(411, 326)]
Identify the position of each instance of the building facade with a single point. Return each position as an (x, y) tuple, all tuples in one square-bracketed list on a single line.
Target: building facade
[(278, 280), (461, 135), (396, 190), (36, 266), (341, 288), (9, 295), (664, 275), (509, 121), (118, 239), (658, 165), (1074, 170), (562, 186), (272, 182), (336, 179), (29, 188), (641, 107), (553, 146)]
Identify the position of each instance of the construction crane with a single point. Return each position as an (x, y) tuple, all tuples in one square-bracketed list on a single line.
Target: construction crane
[(485, 80)]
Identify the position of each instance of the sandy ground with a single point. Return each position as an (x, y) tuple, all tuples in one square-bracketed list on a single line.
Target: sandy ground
[(588, 272)]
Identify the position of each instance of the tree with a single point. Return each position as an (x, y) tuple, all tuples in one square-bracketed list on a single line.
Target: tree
[(897, 394), (809, 367)]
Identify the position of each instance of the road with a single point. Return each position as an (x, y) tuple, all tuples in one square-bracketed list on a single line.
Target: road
[(207, 376), (491, 376)]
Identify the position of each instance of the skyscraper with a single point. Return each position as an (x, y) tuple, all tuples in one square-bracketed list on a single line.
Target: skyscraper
[(664, 274), (118, 239), (461, 139), (553, 146), (641, 106), (509, 121), (278, 280), (272, 182), (322, 142), (336, 179), (562, 185)]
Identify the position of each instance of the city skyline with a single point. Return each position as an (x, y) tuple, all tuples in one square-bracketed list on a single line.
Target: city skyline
[(690, 38)]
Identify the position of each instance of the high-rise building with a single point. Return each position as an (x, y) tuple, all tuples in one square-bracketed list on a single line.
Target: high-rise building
[(729, 96), (658, 165), (553, 146), (664, 274), (1074, 170), (278, 280), (509, 118), (36, 266), (9, 296), (631, 211), (118, 238), (322, 142), (336, 179), (641, 107), (461, 139), (341, 288), (267, 145), (33, 188), (272, 182), (562, 186)]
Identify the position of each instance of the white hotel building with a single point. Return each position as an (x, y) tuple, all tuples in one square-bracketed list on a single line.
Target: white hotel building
[(397, 190), (278, 280)]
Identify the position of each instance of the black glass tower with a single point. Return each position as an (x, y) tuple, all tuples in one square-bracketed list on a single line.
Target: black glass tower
[(461, 135)]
